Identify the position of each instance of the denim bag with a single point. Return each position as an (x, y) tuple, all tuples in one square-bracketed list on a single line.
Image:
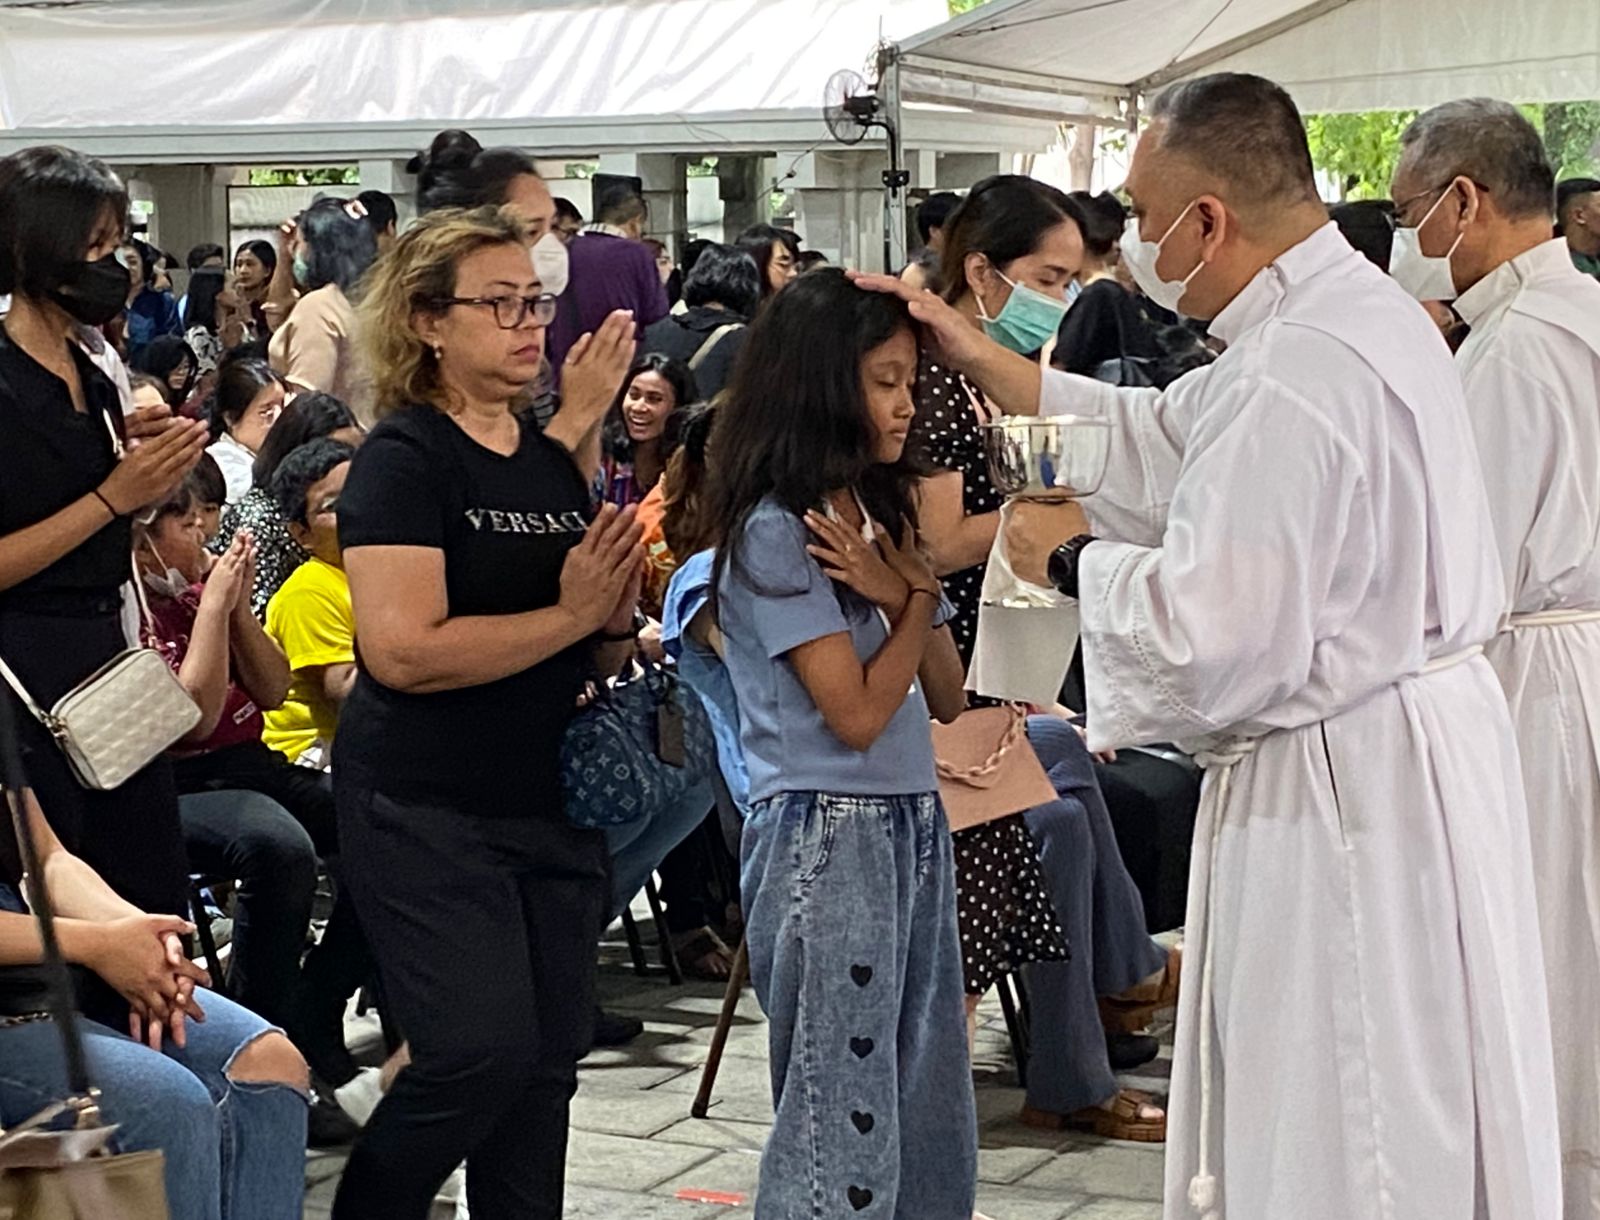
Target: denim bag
[(615, 757)]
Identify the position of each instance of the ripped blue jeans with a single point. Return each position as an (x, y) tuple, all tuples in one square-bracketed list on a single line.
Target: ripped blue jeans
[(234, 1150), (850, 916)]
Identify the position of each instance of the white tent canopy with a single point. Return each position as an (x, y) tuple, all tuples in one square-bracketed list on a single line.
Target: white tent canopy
[(1093, 59), (194, 79)]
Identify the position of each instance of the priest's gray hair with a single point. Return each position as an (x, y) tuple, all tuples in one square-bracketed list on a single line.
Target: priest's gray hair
[(1492, 143), (1246, 130)]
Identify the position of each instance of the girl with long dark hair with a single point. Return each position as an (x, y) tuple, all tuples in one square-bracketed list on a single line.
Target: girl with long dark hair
[(832, 623)]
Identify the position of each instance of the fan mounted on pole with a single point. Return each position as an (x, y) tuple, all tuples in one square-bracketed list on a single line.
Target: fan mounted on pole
[(852, 107)]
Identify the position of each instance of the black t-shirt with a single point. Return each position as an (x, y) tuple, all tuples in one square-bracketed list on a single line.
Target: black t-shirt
[(54, 455), (505, 524), (681, 336), (1104, 323)]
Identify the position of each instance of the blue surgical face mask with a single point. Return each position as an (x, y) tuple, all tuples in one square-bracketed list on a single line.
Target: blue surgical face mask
[(1027, 321), (301, 270), (1074, 291)]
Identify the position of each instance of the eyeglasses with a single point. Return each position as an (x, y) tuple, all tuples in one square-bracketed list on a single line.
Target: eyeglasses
[(511, 311), (1402, 208)]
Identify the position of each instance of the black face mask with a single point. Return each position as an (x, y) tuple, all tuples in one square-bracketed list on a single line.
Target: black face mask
[(96, 292)]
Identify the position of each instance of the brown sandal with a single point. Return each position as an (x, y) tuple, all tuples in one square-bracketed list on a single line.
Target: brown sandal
[(1123, 1121), (1132, 1010), (702, 954)]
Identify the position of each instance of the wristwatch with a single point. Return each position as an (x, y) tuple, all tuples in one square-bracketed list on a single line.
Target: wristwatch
[(1063, 566)]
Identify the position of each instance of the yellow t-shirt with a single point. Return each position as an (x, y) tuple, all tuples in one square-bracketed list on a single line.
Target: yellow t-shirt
[(311, 619)]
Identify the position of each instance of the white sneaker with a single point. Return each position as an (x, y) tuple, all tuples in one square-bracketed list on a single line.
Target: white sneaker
[(361, 1096)]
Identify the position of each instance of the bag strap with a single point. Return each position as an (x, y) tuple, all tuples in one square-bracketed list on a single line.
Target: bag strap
[(716, 337), (15, 782), (147, 621), (1013, 734), (15, 683)]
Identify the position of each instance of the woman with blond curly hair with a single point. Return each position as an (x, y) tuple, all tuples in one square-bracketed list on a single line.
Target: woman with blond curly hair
[(483, 589)]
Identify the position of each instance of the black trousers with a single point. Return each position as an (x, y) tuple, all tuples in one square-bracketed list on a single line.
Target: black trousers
[(485, 932), (271, 846), (1153, 804)]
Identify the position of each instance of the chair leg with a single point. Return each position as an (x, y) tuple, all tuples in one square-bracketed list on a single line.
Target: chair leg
[(208, 944), (669, 959), (719, 1039), (1016, 1027), (630, 929)]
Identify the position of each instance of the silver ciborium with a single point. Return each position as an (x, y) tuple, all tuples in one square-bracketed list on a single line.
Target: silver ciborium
[(1030, 458)]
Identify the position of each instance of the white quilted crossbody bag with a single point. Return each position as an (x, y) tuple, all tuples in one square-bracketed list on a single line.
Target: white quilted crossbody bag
[(122, 717)]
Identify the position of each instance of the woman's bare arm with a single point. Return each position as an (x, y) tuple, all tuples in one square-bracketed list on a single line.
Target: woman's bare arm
[(955, 540)]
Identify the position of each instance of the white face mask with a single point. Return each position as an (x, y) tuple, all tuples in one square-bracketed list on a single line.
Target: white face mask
[(171, 584), (1425, 276), (550, 263), (1141, 257)]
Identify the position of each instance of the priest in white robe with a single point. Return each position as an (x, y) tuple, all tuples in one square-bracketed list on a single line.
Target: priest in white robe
[(1475, 195), (1290, 562)]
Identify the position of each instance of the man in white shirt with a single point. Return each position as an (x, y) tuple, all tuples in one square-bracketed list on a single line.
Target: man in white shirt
[(1290, 563), (1475, 194)]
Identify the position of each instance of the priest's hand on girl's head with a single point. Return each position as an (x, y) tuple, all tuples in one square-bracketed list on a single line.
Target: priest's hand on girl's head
[(1034, 529), (962, 343), (845, 557)]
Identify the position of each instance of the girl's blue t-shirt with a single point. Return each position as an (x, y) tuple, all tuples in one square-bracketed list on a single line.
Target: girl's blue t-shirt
[(778, 599)]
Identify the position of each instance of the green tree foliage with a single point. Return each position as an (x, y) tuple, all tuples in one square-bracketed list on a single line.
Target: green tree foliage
[(1572, 137), (317, 175), (957, 7), (1360, 150)]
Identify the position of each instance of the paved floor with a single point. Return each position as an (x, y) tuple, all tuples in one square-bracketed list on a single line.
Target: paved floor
[(636, 1154)]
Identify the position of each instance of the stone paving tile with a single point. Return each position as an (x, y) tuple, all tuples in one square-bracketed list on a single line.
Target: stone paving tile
[(724, 1174), (737, 1077), (718, 1131), (1010, 1203), (592, 1203), (632, 1113), (1114, 1209), (619, 1163), (1004, 1165), (1102, 1167)]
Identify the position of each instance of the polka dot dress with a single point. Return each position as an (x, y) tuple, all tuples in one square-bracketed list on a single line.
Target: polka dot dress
[(945, 435), (1003, 910)]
